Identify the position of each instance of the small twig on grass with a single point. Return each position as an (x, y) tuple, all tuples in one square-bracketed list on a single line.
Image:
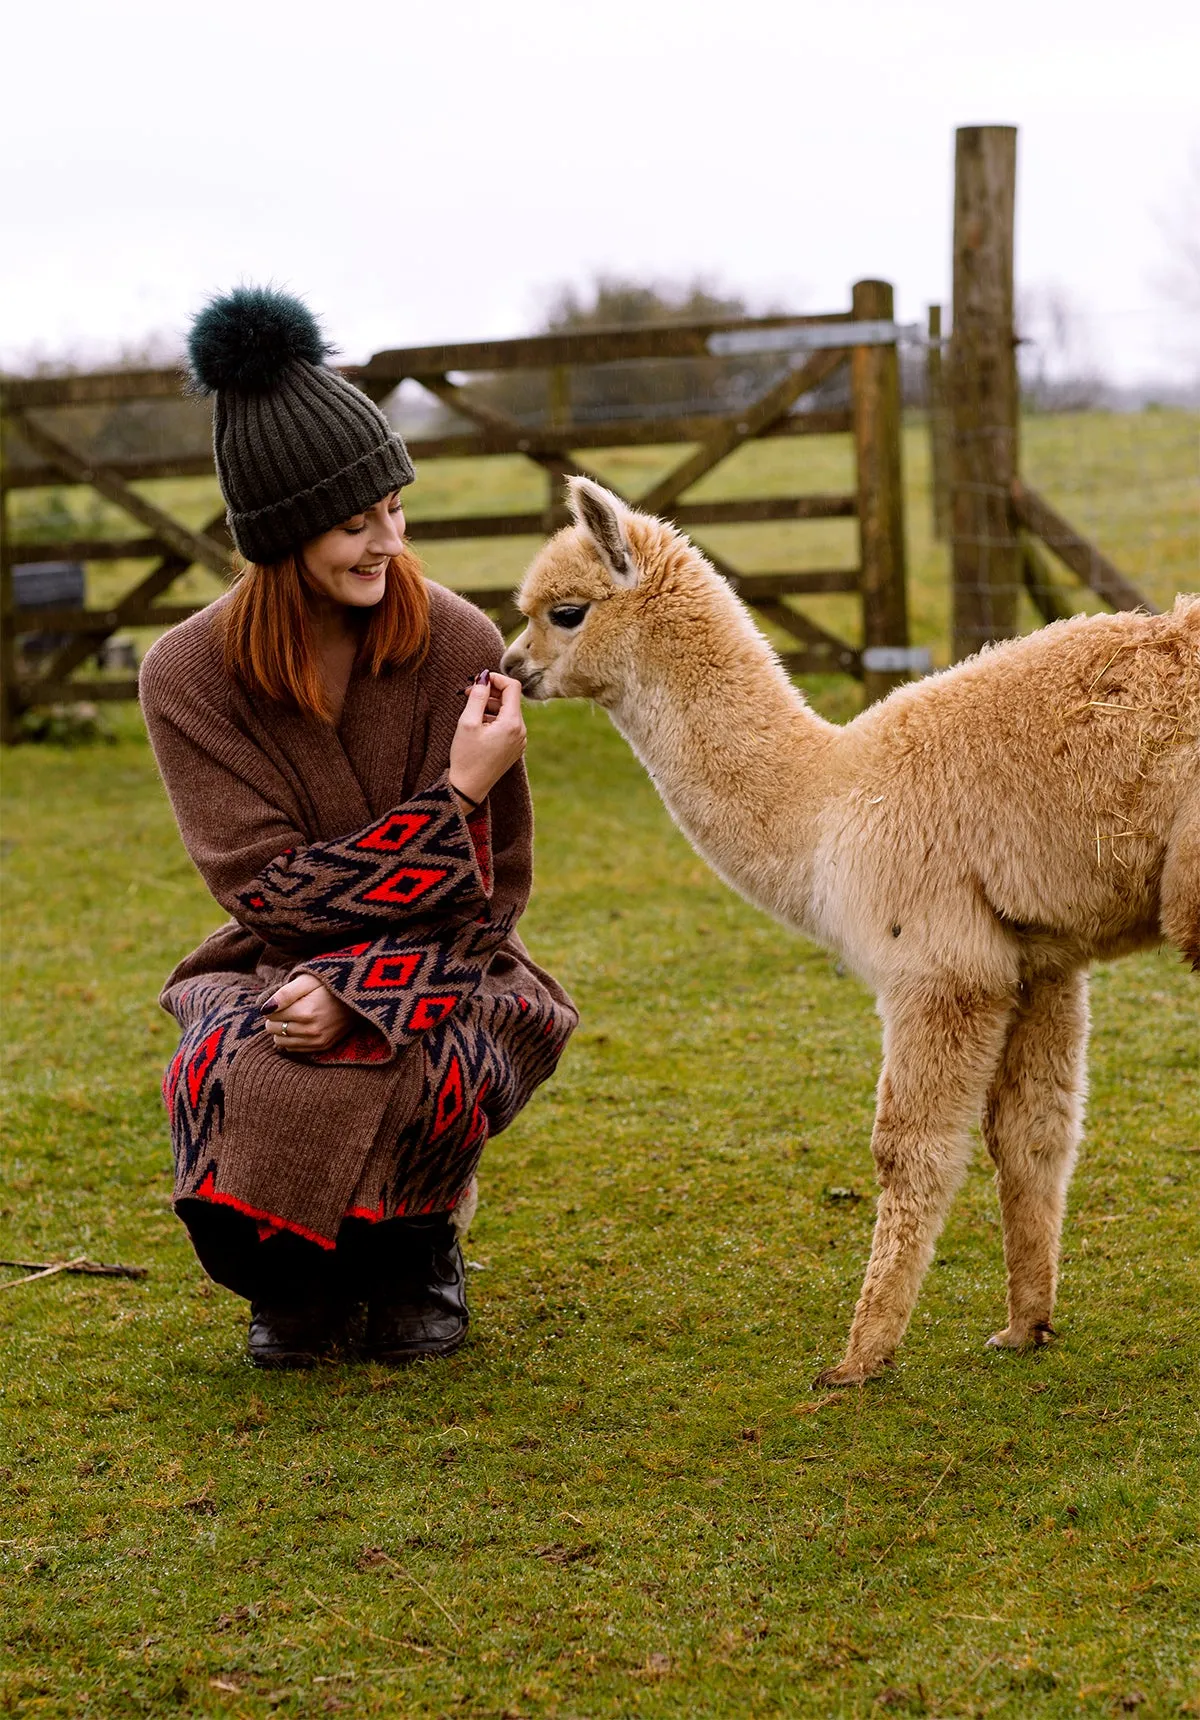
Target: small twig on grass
[(365, 1630), (42, 1271), (81, 1265), (449, 1617), (920, 1507)]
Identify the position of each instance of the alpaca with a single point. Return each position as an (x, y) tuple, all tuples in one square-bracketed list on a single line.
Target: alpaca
[(968, 845)]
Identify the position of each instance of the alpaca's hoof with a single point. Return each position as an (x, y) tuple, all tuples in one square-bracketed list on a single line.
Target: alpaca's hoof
[(850, 1373), (1022, 1337)]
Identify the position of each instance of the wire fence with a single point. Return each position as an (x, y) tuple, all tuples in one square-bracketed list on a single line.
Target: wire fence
[(1110, 470)]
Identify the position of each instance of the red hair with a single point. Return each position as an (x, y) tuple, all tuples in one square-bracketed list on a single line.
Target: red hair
[(269, 643)]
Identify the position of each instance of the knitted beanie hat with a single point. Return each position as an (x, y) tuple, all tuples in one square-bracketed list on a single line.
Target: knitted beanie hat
[(298, 448)]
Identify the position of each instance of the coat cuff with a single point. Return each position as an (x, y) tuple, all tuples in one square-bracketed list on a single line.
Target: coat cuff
[(401, 987)]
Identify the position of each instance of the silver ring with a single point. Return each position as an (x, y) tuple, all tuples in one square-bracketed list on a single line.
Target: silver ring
[(283, 1031)]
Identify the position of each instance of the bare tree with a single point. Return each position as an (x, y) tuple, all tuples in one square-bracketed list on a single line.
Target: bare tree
[(158, 350), (620, 301), (1179, 280), (1058, 368)]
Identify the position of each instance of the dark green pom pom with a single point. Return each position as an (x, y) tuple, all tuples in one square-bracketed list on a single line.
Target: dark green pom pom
[(246, 339)]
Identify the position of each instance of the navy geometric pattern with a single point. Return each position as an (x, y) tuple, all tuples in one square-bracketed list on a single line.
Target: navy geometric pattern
[(414, 863), (479, 1067), (218, 1014)]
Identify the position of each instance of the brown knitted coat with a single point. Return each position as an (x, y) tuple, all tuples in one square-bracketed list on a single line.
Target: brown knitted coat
[(342, 853)]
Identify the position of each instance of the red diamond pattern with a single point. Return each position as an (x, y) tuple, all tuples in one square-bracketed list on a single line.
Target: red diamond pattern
[(388, 972), (396, 829), (431, 1010), (406, 885)]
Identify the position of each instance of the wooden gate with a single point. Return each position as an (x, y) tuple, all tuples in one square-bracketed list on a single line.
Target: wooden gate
[(44, 445)]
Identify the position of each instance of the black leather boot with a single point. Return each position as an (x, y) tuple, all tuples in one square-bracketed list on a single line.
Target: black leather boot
[(417, 1305), (295, 1334)]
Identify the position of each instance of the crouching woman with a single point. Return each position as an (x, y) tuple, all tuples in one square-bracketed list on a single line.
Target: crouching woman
[(369, 1014)]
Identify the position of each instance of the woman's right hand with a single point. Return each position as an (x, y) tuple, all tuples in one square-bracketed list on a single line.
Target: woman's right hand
[(490, 736)]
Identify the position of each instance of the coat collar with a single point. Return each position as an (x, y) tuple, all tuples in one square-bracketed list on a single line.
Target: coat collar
[(346, 776)]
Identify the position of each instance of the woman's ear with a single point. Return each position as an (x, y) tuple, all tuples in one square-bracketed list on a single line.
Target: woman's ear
[(602, 516)]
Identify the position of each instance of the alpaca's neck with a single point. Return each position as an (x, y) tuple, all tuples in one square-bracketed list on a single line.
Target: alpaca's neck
[(741, 762)]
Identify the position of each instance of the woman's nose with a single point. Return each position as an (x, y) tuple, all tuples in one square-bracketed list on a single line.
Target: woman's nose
[(387, 538)]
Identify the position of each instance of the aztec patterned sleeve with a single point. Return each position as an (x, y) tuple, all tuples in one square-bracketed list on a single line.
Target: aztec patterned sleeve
[(411, 977), (419, 863)]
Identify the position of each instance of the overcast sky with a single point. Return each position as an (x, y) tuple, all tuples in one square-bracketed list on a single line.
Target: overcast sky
[(427, 169)]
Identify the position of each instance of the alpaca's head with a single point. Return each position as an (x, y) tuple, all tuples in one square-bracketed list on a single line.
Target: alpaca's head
[(588, 597)]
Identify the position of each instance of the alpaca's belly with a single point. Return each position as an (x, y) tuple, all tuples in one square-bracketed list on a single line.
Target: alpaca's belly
[(892, 909), (1096, 886)]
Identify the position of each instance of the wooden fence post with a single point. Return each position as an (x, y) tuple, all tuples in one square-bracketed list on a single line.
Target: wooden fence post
[(984, 399), (939, 453), (875, 376)]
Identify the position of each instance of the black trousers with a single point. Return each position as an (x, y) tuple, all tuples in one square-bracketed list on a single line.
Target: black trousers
[(369, 1258)]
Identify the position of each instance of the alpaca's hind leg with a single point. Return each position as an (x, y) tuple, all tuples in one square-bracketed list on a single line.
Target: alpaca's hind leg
[(939, 1057), (1031, 1123)]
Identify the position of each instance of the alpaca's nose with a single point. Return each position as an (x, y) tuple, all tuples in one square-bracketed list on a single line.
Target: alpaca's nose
[(514, 661)]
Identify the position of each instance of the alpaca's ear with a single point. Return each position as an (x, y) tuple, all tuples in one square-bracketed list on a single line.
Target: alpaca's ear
[(601, 515)]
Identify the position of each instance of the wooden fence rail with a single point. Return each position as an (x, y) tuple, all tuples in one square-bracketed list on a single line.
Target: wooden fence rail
[(44, 445)]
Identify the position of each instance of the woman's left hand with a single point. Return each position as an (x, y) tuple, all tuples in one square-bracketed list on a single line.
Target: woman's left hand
[(305, 1017)]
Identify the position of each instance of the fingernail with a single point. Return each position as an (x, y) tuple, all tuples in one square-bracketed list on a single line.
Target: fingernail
[(483, 677), (267, 1007)]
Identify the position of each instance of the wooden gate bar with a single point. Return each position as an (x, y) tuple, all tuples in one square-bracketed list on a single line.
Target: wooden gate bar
[(1082, 557), (585, 346), (91, 388), (128, 612), (105, 621), (196, 546), (809, 582), (488, 417), (1051, 600), (739, 427), (754, 510), (85, 549), (47, 474)]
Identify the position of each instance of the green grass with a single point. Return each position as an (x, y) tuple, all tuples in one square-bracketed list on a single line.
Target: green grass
[(622, 1498)]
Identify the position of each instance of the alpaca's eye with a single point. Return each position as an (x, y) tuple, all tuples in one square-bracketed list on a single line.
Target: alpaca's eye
[(568, 614)]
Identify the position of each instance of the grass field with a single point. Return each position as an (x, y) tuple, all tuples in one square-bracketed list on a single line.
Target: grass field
[(622, 1498)]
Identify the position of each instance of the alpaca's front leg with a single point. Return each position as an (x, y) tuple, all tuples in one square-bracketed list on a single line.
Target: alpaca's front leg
[(1032, 1123), (939, 1056)]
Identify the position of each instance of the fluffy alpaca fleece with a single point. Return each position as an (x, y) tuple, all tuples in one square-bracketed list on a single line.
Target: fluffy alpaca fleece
[(969, 846)]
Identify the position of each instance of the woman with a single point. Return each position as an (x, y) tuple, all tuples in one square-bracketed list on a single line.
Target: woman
[(369, 1015)]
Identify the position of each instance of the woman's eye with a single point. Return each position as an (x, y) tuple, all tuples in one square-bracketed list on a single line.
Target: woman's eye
[(353, 531), (568, 614)]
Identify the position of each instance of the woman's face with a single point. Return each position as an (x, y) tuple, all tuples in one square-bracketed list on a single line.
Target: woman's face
[(349, 564)]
